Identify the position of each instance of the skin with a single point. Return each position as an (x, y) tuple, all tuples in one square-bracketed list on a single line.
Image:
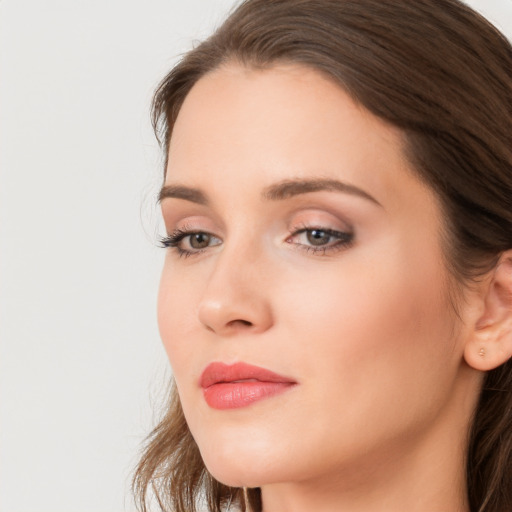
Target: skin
[(378, 419)]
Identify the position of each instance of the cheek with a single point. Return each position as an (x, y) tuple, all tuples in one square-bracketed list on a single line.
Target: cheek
[(374, 346), (381, 321), (176, 317)]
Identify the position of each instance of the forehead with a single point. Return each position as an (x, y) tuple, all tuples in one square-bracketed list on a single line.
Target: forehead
[(257, 126), (246, 103)]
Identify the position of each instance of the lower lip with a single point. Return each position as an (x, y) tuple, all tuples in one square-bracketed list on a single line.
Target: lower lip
[(233, 395)]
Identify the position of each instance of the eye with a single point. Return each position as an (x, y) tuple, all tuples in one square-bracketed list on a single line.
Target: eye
[(321, 240), (188, 243), (199, 240), (318, 237)]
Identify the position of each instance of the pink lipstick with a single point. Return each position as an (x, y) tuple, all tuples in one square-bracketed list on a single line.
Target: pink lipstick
[(239, 385)]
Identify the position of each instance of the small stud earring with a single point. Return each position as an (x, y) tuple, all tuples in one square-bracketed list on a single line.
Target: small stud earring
[(481, 353)]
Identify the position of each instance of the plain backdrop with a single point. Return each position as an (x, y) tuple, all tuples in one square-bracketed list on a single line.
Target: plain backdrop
[(81, 366)]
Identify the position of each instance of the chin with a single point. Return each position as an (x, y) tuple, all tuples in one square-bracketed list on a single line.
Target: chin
[(246, 467), (235, 473)]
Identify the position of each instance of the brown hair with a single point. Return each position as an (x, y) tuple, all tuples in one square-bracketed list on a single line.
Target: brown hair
[(442, 74)]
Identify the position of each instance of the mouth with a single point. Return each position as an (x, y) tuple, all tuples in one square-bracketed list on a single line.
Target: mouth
[(240, 385)]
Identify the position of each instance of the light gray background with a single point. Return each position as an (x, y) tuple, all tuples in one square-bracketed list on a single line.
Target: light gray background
[(80, 359)]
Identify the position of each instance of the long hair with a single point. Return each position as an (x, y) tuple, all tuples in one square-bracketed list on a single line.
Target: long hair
[(443, 75)]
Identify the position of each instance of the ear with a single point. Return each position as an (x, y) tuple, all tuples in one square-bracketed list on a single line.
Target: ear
[(490, 343)]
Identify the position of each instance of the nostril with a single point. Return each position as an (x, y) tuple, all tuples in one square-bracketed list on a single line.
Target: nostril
[(241, 323)]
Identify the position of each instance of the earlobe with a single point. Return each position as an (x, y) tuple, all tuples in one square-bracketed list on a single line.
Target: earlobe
[(490, 344)]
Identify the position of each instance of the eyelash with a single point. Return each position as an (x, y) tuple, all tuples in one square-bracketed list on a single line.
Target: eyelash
[(173, 240), (345, 240)]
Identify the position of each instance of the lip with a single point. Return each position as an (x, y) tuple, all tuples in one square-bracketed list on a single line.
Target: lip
[(240, 385)]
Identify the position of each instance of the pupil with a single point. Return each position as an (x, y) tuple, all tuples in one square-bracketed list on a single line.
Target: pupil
[(199, 241), (317, 237)]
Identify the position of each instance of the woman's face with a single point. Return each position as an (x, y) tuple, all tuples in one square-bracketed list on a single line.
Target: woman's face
[(302, 244)]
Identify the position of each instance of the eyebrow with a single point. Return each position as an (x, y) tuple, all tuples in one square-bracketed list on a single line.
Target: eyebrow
[(290, 188), (194, 195), (276, 192)]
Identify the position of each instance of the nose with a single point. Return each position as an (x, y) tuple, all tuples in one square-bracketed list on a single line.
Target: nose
[(236, 296)]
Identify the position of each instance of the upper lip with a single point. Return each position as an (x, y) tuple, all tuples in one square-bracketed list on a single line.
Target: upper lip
[(216, 373)]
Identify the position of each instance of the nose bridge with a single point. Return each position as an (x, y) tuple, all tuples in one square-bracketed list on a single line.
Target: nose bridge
[(236, 296)]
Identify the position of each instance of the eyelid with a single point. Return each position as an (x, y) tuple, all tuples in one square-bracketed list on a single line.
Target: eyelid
[(320, 216)]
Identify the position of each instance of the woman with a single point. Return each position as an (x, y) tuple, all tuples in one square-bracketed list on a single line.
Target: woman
[(336, 300)]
